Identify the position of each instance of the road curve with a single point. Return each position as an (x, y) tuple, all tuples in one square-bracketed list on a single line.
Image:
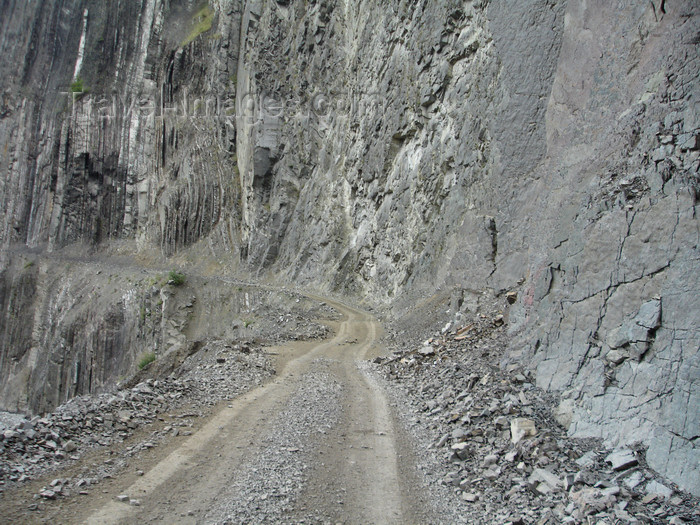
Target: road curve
[(355, 473)]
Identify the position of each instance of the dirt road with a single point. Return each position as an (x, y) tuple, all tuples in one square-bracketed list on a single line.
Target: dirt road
[(318, 443)]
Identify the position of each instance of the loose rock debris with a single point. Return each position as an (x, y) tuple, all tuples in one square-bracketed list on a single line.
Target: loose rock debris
[(494, 445), (40, 444)]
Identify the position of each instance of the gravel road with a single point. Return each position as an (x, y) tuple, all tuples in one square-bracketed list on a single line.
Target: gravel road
[(317, 444)]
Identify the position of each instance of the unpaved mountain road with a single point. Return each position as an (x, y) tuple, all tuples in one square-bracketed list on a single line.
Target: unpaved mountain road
[(316, 444)]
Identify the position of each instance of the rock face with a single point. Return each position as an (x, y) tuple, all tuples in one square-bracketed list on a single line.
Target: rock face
[(388, 149), (115, 124)]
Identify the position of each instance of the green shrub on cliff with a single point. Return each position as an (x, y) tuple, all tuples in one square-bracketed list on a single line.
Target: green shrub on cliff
[(176, 278)]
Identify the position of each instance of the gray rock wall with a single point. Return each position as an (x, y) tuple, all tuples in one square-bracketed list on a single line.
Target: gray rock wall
[(68, 330), (609, 311), (114, 123), (394, 148)]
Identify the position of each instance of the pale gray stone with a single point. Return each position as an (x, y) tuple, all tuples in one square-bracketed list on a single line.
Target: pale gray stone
[(655, 487), (622, 459)]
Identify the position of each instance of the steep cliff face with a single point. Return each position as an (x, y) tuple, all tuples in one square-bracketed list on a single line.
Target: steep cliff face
[(114, 124), (390, 149), (551, 149), (114, 127)]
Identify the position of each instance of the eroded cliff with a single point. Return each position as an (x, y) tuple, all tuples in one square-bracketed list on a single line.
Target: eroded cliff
[(390, 150)]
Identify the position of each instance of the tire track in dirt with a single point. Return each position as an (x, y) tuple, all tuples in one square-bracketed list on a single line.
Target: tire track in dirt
[(355, 475)]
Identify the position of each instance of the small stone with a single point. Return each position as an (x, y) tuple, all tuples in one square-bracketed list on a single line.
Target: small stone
[(523, 399), (520, 428), (611, 491), (569, 480), (69, 446), (662, 152), (489, 460), (564, 413), (502, 421), (427, 351), (618, 337), (544, 476), (543, 488), (134, 503), (461, 449), (634, 480), (691, 143), (470, 497), (649, 498), (593, 497), (123, 498), (459, 433), (622, 459), (649, 315), (654, 487), (587, 460), (47, 494), (616, 356), (489, 474)]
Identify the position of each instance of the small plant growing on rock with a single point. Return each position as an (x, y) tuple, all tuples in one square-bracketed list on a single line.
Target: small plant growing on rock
[(201, 23), (176, 278), (146, 359), (78, 88), (77, 85)]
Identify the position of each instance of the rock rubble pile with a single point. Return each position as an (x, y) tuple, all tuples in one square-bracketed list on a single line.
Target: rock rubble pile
[(218, 371), (497, 445)]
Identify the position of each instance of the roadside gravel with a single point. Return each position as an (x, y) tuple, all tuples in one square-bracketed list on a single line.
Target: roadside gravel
[(264, 489)]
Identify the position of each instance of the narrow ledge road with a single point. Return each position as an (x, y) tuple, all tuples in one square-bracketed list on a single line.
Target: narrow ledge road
[(349, 472)]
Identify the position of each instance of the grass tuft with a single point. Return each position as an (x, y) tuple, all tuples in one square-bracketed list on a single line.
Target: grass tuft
[(146, 359), (202, 21)]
